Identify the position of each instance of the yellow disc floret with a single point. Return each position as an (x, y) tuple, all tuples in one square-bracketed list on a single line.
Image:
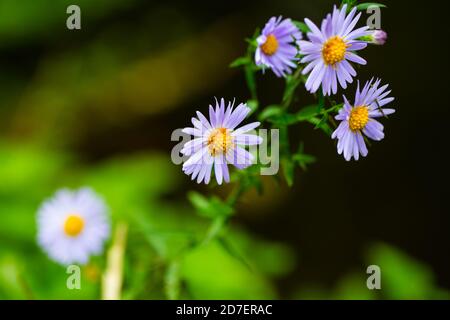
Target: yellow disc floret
[(219, 141), (333, 50), (359, 116), (73, 225), (270, 46)]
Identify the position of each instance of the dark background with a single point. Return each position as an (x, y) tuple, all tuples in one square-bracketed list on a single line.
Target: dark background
[(397, 195)]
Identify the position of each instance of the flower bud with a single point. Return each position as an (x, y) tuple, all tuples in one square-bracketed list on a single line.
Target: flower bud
[(378, 37)]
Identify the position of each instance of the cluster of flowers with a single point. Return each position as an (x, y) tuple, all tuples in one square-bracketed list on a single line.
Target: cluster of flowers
[(326, 57), (73, 225)]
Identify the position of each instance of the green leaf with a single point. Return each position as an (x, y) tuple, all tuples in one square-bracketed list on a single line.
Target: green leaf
[(270, 112), (365, 5), (322, 121), (233, 252), (214, 230), (211, 273), (403, 277), (199, 202), (321, 104), (288, 171), (283, 120), (210, 208), (307, 113), (319, 124), (302, 26), (353, 287), (241, 61), (253, 105), (252, 41), (11, 281), (303, 159), (312, 113), (350, 4), (249, 178), (221, 208)]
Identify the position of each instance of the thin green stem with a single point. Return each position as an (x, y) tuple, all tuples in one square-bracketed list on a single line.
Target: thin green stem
[(220, 222), (235, 194), (288, 97)]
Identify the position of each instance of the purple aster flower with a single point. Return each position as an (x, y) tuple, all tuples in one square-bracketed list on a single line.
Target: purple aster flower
[(359, 119), (73, 226), (277, 47), (330, 49), (219, 142)]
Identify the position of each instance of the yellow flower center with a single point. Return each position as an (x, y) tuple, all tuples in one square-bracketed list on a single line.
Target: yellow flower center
[(333, 51), (74, 225), (359, 116), (219, 141), (270, 46)]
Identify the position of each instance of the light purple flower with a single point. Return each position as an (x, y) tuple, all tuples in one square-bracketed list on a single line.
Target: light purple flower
[(359, 119), (219, 142), (277, 46), (73, 226), (330, 49)]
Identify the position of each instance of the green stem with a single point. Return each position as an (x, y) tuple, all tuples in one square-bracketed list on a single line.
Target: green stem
[(235, 194), (214, 229), (220, 222), (288, 98)]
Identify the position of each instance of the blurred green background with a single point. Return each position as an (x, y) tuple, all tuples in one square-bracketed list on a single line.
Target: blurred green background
[(97, 107)]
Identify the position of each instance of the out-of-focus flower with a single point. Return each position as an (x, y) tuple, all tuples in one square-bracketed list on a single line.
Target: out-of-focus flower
[(359, 119), (219, 142), (277, 46), (72, 226), (330, 49)]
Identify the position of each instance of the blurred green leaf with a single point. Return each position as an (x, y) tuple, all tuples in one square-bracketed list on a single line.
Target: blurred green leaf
[(353, 287), (307, 112), (128, 183), (39, 19), (288, 171), (314, 114), (211, 208), (12, 286), (270, 112), (302, 159), (401, 276), (226, 280), (232, 251), (241, 61), (364, 6), (283, 119), (350, 4), (253, 105), (319, 123), (25, 167)]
